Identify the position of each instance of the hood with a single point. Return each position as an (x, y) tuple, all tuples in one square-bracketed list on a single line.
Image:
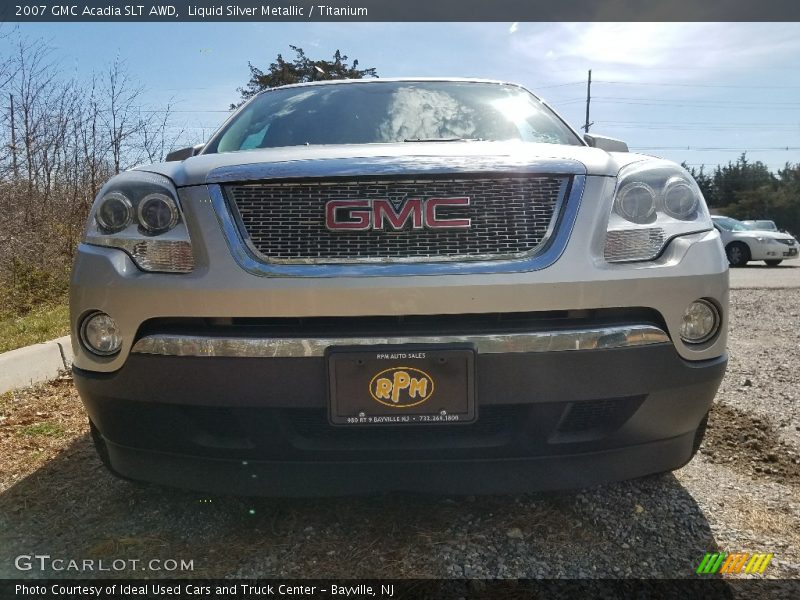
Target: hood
[(770, 235), (400, 158)]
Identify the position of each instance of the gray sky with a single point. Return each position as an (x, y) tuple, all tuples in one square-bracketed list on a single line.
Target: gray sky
[(699, 92)]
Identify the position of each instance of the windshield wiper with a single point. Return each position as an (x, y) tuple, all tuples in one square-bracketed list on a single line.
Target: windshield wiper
[(450, 139)]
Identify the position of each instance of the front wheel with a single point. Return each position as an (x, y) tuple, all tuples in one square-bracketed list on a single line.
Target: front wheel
[(773, 262), (738, 254)]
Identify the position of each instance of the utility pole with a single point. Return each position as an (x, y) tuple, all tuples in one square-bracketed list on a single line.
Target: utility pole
[(13, 140), (588, 101)]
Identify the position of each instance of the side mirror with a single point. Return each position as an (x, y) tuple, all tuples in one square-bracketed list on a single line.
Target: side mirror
[(184, 153), (608, 144)]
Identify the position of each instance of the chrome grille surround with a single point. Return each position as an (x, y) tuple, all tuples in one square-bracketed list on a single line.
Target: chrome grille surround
[(285, 222), (383, 168)]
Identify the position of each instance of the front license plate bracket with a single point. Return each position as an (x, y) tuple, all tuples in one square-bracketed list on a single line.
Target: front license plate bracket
[(401, 385)]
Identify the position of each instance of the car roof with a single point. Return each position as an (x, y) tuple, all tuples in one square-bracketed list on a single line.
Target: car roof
[(379, 80)]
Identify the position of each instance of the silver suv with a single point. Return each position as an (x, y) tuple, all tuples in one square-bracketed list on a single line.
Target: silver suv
[(430, 285)]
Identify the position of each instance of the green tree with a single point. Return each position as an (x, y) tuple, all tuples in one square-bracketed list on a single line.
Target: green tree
[(749, 190), (779, 201), (733, 180), (704, 181), (301, 70)]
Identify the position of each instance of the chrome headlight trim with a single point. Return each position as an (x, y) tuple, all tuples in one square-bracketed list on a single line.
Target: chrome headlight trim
[(630, 237), (165, 250)]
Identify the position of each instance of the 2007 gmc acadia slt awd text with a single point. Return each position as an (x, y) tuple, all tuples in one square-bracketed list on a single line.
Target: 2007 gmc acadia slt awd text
[(417, 284)]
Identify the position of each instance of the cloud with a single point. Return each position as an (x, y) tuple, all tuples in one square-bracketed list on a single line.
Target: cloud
[(687, 50), (514, 27)]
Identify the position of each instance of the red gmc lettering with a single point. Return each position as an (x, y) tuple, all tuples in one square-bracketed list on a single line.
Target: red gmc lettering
[(434, 223), (383, 209), (362, 215), (356, 220)]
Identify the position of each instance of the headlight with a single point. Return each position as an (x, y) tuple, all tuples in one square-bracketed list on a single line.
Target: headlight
[(139, 213), (636, 202), (114, 213), (654, 202), (158, 213)]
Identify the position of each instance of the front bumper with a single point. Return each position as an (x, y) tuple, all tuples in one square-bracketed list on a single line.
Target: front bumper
[(773, 251), (257, 423), (546, 420)]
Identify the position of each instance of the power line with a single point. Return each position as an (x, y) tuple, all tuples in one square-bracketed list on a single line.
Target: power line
[(549, 101), (558, 85), (678, 126), (689, 101), (700, 85), (716, 149), (685, 123), (701, 104)]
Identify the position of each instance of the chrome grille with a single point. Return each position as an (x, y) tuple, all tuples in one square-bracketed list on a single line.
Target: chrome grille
[(285, 222)]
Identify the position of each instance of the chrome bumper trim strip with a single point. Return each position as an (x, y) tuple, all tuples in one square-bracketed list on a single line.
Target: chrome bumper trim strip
[(540, 341)]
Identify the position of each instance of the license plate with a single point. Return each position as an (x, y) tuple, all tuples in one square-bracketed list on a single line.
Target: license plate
[(401, 385)]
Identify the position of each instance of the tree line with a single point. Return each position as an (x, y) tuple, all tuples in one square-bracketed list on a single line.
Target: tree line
[(62, 137), (749, 190)]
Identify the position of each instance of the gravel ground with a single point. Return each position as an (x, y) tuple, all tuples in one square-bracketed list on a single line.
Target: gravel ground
[(739, 494)]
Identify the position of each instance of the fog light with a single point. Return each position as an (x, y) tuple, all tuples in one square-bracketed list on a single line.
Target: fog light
[(100, 334), (700, 322)]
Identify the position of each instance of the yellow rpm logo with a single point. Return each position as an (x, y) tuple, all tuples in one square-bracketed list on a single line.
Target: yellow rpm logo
[(401, 387)]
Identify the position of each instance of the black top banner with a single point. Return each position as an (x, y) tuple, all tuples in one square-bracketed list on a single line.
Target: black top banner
[(400, 10)]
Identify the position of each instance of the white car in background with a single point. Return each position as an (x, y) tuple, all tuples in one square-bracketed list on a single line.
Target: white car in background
[(743, 243)]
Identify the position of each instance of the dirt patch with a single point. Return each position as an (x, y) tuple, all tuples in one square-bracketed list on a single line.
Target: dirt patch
[(750, 444), (37, 424)]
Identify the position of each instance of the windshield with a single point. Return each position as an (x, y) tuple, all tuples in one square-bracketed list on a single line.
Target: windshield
[(385, 112), (731, 224), (761, 225)]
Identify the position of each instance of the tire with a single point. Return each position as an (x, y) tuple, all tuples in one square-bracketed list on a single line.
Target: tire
[(773, 262), (738, 254)]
